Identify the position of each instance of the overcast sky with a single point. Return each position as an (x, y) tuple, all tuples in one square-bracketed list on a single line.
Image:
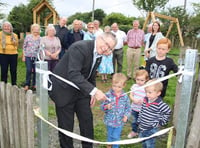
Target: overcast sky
[(69, 7)]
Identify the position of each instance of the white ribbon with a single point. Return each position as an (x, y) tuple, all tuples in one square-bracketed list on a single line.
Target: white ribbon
[(159, 80), (81, 138), (46, 79)]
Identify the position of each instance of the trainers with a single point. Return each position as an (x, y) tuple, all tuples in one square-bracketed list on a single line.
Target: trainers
[(132, 134)]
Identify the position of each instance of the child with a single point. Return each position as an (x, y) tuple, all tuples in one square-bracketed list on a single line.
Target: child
[(117, 108), (137, 95), (154, 113), (160, 65)]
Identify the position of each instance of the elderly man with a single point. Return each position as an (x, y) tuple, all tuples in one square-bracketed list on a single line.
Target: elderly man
[(79, 65), (135, 40), (61, 30), (118, 51), (73, 35)]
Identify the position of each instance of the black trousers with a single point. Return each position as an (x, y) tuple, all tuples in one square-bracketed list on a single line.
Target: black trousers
[(65, 115), (7, 61)]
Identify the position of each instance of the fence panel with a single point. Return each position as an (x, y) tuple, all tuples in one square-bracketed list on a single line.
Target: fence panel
[(16, 117)]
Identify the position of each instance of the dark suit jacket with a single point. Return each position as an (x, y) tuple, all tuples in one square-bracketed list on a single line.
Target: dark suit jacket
[(74, 66)]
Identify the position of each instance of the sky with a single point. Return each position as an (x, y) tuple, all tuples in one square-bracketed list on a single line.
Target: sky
[(69, 7)]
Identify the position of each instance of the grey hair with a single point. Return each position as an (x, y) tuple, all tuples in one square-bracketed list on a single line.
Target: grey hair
[(109, 35), (7, 22), (35, 25), (50, 26)]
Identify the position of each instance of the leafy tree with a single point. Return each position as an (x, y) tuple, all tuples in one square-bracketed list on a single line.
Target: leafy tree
[(179, 13), (149, 5), (19, 18), (124, 23), (1, 14), (99, 14)]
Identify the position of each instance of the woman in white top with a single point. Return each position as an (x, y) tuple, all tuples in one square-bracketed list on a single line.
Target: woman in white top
[(156, 35)]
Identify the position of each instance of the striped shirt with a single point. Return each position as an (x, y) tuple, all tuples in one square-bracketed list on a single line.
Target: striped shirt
[(153, 114), (137, 93), (135, 38)]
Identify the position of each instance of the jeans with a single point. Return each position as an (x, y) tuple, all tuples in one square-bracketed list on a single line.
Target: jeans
[(30, 70), (113, 134), (150, 143), (134, 122)]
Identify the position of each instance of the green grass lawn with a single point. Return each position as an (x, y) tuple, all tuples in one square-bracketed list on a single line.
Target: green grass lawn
[(100, 131)]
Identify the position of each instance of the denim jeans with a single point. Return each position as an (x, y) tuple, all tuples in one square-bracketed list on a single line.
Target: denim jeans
[(134, 122), (150, 143), (113, 134), (30, 70)]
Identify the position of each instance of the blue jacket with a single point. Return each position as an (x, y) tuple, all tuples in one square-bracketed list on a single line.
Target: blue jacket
[(120, 108)]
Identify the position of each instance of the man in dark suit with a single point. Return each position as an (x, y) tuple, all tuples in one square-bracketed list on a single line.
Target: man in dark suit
[(79, 65)]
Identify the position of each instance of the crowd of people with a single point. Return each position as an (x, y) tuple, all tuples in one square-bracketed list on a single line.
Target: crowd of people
[(78, 55)]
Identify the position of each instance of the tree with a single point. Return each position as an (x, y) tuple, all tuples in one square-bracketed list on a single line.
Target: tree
[(124, 23), (19, 18), (1, 14), (99, 14), (149, 5)]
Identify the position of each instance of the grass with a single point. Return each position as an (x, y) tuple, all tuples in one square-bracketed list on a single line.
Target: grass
[(100, 131)]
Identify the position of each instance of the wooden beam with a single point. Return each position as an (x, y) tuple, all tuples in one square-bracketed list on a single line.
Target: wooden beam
[(153, 16), (179, 33), (146, 21), (165, 17), (169, 29)]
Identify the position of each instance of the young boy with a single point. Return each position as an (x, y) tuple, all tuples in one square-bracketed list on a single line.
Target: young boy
[(137, 95), (160, 65), (154, 113), (117, 108)]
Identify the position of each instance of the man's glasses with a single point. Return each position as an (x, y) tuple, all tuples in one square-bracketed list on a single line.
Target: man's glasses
[(108, 46)]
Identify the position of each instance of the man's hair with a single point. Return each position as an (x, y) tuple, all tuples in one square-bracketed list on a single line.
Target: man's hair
[(109, 35), (142, 72), (165, 41), (157, 86), (119, 78)]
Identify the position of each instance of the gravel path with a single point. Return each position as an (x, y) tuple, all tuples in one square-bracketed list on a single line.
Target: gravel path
[(53, 136)]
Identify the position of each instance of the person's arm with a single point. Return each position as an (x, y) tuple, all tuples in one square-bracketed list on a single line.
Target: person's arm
[(165, 113)]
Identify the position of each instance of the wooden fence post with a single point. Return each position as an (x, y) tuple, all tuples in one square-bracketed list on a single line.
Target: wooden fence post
[(185, 98), (42, 99)]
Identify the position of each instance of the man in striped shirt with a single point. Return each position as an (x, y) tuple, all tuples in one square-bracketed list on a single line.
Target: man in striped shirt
[(154, 113)]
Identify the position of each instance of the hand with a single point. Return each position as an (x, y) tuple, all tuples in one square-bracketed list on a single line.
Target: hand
[(23, 58), (109, 106), (99, 95), (92, 101), (125, 119)]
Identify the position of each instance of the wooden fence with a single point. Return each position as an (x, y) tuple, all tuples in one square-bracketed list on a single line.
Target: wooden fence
[(16, 117)]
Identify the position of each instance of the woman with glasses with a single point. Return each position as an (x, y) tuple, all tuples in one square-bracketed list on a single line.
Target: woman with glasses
[(30, 50), (89, 35)]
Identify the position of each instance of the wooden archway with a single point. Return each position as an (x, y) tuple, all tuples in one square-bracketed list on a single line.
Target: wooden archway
[(152, 15), (39, 8)]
